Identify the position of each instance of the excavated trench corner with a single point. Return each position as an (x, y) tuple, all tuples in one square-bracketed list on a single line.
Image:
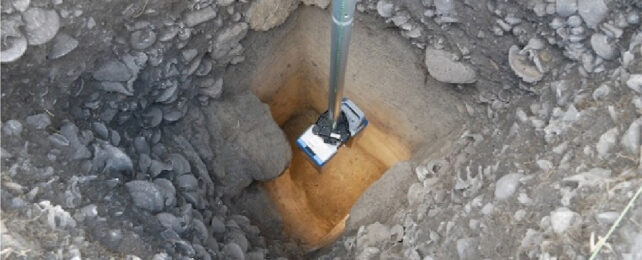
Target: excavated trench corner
[(288, 70)]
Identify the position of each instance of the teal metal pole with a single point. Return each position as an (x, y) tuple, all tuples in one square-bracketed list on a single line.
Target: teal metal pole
[(342, 18)]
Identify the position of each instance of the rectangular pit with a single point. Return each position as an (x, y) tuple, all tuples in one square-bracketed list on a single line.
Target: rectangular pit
[(410, 114)]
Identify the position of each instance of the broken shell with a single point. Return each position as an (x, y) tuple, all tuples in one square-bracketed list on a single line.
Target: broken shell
[(15, 42), (384, 8), (602, 47), (204, 68), (168, 34), (118, 87), (141, 145), (212, 89), (167, 189), (186, 182), (100, 129), (17, 47), (520, 66), (62, 45), (172, 115), (153, 116), (179, 163), (169, 94), (158, 167), (144, 161)]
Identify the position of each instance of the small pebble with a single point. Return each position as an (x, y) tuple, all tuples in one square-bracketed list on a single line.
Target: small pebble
[(507, 185), (12, 128), (562, 219), (63, 44), (38, 121)]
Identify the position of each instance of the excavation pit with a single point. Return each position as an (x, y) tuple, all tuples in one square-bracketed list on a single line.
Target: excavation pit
[(314, 202), (410, 115)]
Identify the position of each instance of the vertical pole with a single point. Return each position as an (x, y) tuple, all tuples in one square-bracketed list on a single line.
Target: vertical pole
[(342, 17)]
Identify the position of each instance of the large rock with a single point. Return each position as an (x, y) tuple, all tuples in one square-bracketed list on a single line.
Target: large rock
[(443, 67), (267, 14), (389, 190), (252, 146)]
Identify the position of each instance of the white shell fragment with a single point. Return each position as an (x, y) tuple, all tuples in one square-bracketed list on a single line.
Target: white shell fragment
[(519, 65), (62, 45), (41, 25), (384, 8), (602, 47), (14, 44)]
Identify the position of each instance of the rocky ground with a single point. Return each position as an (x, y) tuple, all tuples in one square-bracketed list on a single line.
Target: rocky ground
[(120, 137)]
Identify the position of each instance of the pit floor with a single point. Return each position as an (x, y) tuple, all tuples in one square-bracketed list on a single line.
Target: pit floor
[(314, 201)]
